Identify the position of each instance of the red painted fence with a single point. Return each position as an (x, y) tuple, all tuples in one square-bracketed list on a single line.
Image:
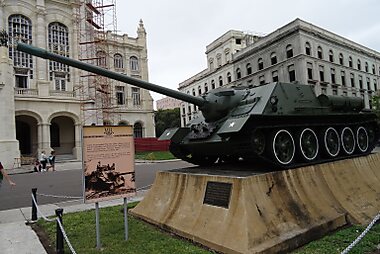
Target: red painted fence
[(151, 144)]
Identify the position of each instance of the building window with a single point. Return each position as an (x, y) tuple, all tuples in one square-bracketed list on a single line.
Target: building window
[(289, 51), (262, 80), (193, 92), (134, 63), (366, 67), (273, 58), (331, 56), (359, 65), (220, 81), (308, 49), (341, 59), (213, 84), (324, 90), (211, 63), (292, 73), (238, 73), (118, 61), (334, 90), (199, 90), (352, 80), (320, 53), (229, 78), (310, 71), (58, 43), (136, 99), (260, 64), (248, 68), (60, 84), (375, 85), (275, 76), (20, 29), (368, 84), (343, 78), (360, 82), (101, 60), (137, 130), (373, 69), (206, 88), (321, 73), (227, 55), (120, 95), (350, 62), (219, 59), (333, 81)]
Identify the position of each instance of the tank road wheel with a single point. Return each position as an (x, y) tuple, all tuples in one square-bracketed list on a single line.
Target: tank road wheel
[(258, 142), (331, 142), (283, 147), (362, 139), (348, 140), (308, 144)]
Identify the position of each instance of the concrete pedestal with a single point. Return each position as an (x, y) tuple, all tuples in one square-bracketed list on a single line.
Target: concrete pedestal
[(243, 212)]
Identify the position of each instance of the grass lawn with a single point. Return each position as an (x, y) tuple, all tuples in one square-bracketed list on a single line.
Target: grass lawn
[(154, 155), (145, 238)]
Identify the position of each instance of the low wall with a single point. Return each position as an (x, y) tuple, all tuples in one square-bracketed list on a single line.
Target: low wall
[(266, 213)]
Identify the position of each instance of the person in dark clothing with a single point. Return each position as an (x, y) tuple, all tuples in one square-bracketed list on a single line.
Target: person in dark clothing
[(51, 161)]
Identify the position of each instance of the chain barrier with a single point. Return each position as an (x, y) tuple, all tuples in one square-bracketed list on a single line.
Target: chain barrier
[(65, 236), (59, 223), (56, 196), (360, 237)]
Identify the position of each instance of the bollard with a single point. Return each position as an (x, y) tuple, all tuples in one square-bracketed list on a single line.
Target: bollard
[(34, 207), (59, 243)]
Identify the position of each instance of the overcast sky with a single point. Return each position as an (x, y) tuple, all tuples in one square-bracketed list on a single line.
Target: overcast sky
[(179, 31)]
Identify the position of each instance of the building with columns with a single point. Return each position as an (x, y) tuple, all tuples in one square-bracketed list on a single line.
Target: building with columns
[(44, 104), (167, 103), (297, 52)]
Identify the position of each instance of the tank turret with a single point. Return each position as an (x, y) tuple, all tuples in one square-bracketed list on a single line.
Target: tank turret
[(284, 124)]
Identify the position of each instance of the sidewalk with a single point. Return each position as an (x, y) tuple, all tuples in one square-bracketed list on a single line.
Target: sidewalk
[(18, 238)]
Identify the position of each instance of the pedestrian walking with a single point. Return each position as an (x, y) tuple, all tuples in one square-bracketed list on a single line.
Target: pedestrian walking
[(3, 174), (51, 161)]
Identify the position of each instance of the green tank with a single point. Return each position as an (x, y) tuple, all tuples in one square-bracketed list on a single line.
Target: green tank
[(284, 124)]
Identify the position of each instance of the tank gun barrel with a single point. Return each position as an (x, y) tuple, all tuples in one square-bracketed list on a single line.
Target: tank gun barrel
[(110, 74)]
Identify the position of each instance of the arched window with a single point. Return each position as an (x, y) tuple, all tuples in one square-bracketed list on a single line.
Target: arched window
[(134, 63), (331, 56), (366, 67), (212, 84), (229, 78), (320, 52), (101, 59), (350, 61), (206, 88), (219, 59), (193, 92), (341, 59), (248, 68), (118, 61), (199, 90), (359, 65), (58, 43), (273, 58), (220, 81), (20, 29), (373, 69), (260, 64), (238, 73), (289, 51), (307, 49), (137, 130)]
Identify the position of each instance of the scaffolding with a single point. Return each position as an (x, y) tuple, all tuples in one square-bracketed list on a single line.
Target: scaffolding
[(96, 19)]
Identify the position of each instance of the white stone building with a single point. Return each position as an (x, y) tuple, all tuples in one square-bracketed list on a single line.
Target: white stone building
[(167, 103), (297, 52), (44, 104)]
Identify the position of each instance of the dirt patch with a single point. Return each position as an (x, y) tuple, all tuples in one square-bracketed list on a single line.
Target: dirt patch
[(44, 238)]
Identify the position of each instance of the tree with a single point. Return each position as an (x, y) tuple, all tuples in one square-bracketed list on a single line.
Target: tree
[(168, 118)]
